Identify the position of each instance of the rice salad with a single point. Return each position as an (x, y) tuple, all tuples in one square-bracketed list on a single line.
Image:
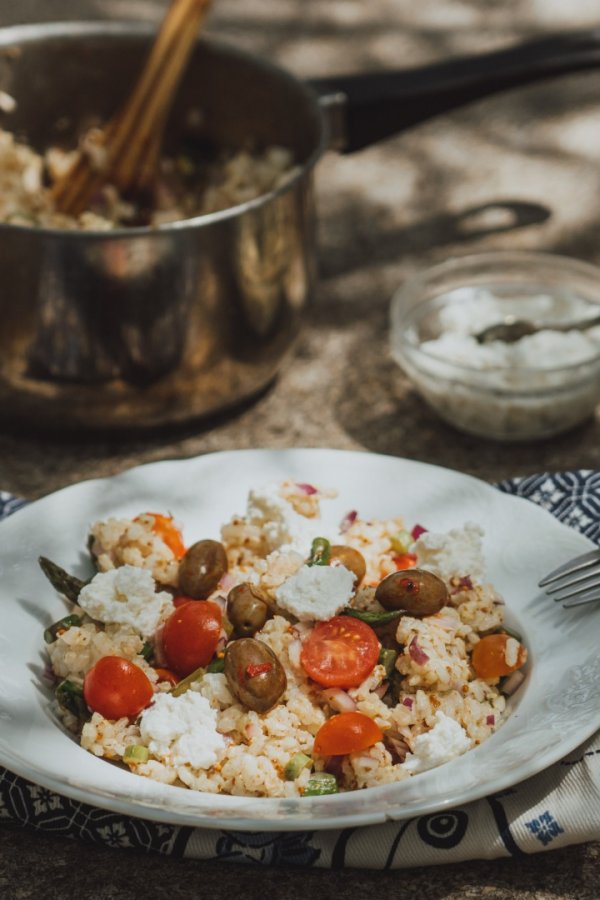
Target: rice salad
[(186, 186), (288, 658)]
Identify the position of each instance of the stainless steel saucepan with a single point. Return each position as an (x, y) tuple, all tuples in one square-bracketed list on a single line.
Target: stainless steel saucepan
[(149, 327)]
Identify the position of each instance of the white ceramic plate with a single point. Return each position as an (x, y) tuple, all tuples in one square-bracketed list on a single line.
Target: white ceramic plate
[(557, 707)]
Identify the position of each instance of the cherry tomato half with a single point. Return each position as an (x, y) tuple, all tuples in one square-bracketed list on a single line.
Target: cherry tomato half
[(190, 635), (346, 733), (116, 687), (180, 599), (164, 528), (489, 656), (340, 652), (166, 675)]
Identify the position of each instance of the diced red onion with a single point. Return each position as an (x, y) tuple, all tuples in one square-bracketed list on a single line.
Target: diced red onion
[(417, 531), (408, 701), (465, 582), (333, 765), (417, 654), (220, 601), (512, 683), (398, 748), (348, 520), (339, 699), (159, 654), (222, 641), (227, 582), (490, 720), (307, 489)]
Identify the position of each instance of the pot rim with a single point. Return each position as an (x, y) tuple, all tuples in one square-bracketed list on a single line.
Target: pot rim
[(19, 34)]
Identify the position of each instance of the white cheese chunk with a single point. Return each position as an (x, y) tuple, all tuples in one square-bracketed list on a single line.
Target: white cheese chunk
[(316, 592), (283, 527), (128, 596), (446, 740), (182, 730), (458, 553)]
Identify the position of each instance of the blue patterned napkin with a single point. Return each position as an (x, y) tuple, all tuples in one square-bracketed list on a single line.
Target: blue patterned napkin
[(558, 807)]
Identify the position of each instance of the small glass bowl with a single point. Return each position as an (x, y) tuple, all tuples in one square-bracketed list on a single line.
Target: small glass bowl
[(540, 386)]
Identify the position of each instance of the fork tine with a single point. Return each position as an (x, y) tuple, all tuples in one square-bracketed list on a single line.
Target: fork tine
[(578, 586), (592, 597), (574, 565), (565, 582)]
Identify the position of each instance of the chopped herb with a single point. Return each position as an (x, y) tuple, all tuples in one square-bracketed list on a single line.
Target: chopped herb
[(320, 552), (217, 665), (69, 695), (54, 631), (372, 618), (387, 659), (147, 651)]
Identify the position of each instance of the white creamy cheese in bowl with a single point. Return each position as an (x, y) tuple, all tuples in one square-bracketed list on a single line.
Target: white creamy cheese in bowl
[(538, 386)]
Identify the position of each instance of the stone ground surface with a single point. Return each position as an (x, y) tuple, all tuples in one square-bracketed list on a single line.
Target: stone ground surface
[(521, 171)]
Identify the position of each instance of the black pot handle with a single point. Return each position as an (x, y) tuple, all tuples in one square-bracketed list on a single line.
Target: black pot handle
[(366, 108)]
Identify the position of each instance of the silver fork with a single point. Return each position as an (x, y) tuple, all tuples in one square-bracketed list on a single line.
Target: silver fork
[(578, 580)]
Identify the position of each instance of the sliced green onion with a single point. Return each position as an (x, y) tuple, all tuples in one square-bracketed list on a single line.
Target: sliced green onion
[(69, 695), (319, 784), (387, 659), (182, 686), (136, 753), (216, 665), (295, 765), (402, 541), (372, 618), (51, 633), (320, 552)]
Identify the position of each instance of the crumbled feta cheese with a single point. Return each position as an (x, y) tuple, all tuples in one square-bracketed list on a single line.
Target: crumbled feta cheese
[(457, 553), (283, 527), (446, 740), (182, 730), (316, 592), (511, 652), (126, 595)]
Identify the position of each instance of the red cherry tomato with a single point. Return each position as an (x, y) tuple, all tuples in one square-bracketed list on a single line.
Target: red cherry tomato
[(116, 687), (340, 652), (166, 675), (346, 733), (405, 561), (489, 656), (190, 635), (180, 599), (164, 528)]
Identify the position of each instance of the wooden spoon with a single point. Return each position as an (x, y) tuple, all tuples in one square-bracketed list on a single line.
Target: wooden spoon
[(126, 151)]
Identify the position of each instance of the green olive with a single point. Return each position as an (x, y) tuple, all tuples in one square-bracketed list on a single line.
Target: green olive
[(414, 591), (351, 559), (254, 674), (201, 569), (247, 609)]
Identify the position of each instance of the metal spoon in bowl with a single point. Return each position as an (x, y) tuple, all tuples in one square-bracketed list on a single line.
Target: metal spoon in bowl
[(513, 329)]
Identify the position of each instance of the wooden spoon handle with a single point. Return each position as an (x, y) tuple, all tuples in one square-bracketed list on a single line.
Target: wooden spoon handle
[(128, 143)]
